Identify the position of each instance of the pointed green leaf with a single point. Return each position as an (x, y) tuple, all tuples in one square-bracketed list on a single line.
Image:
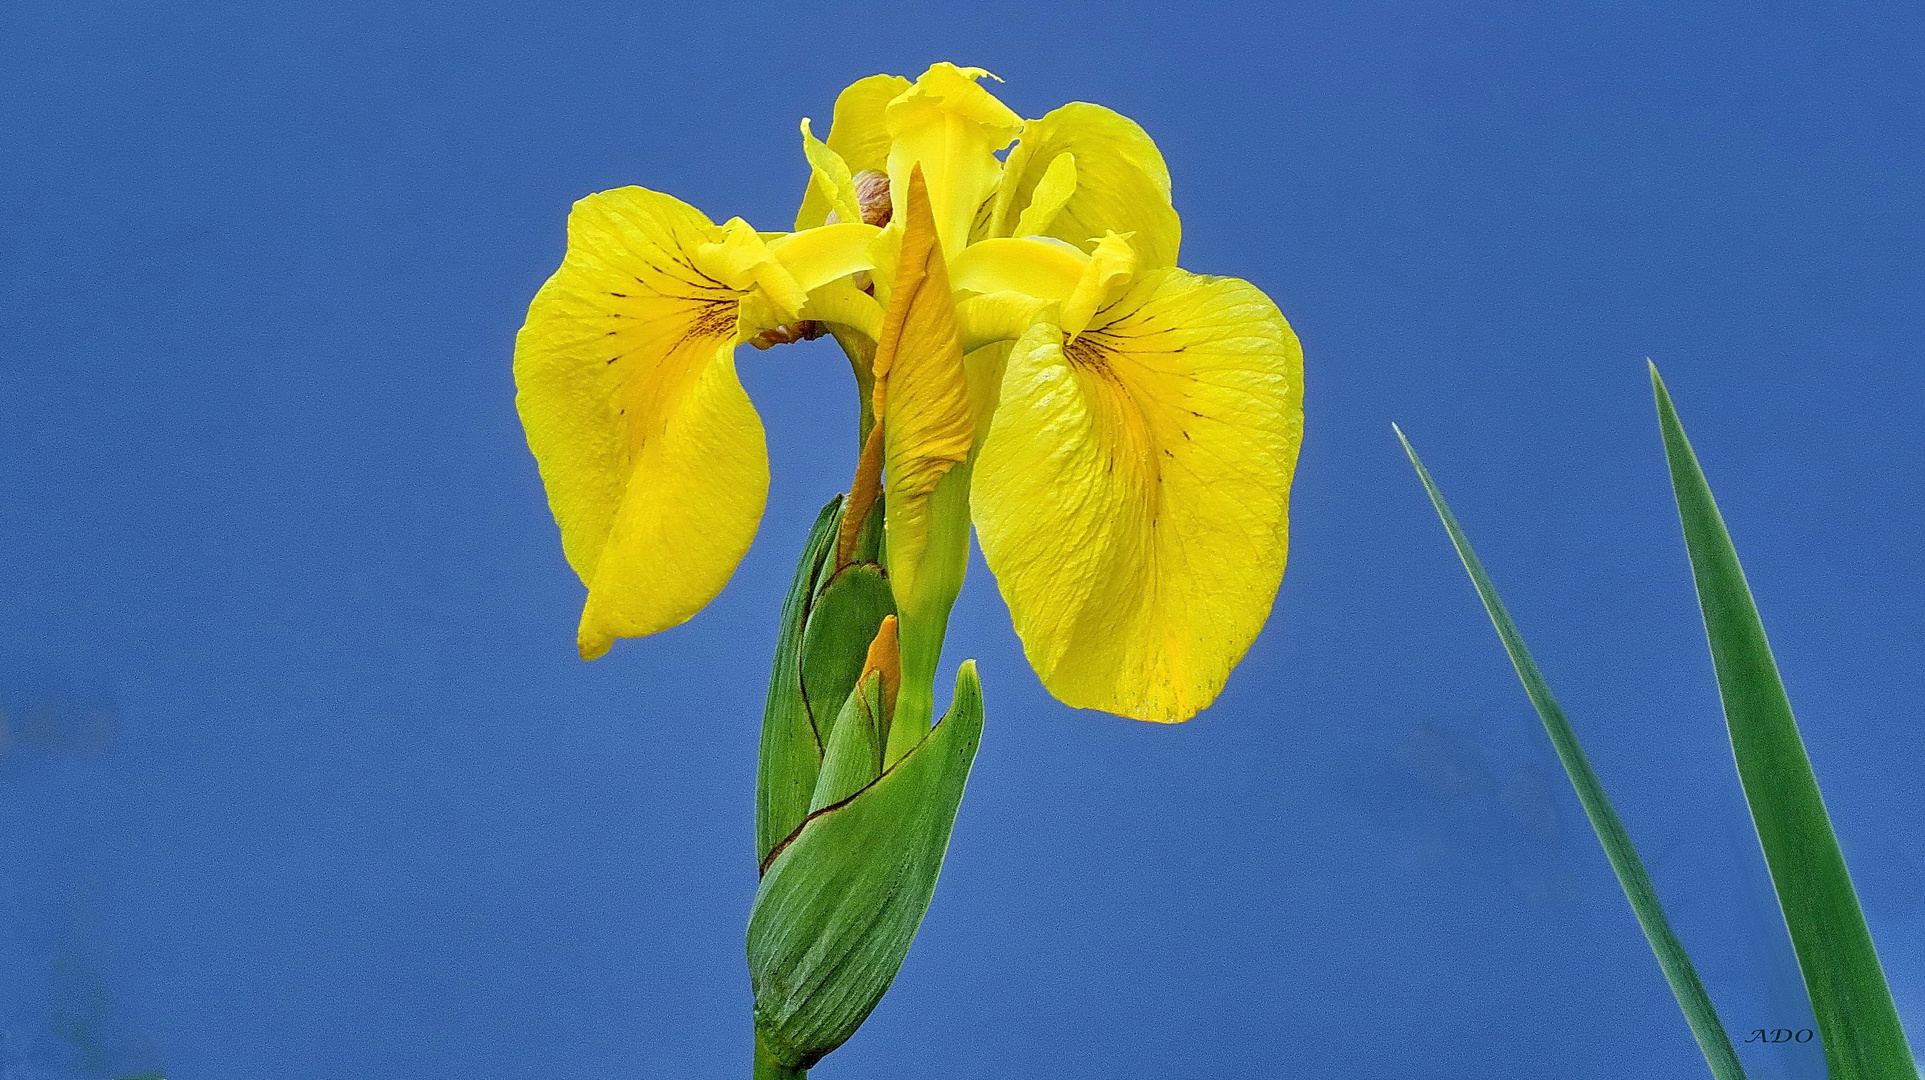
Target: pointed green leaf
[(841, 903), (791, 752), (848, 609), (1676, 965), (1857, 1020), (854, 757)]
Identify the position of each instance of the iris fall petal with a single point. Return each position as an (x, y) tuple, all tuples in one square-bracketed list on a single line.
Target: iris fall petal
[(652, 456), (1131, 495)]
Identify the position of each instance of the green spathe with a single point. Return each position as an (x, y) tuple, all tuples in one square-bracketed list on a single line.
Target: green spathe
[(841, 902), (1857, 1019), (791, 753), (853, 758), (849, 607), (828, 620)]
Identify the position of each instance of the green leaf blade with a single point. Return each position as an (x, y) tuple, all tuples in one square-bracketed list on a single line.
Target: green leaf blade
[(1672, 959), (1857, 1019)]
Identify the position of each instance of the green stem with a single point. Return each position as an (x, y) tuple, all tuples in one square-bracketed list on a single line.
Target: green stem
[(768, 1068), (916, 695), (924, 606)]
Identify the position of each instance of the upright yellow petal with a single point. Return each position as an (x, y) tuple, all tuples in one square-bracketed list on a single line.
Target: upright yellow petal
[(921, 393), (1046, 201), (1132, 493), (1122, 184), (922, 402), (952, 128), (858, 135), (653, 458), (829, 179)]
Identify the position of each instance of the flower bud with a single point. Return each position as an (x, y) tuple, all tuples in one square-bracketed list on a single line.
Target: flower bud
[(872, 194)]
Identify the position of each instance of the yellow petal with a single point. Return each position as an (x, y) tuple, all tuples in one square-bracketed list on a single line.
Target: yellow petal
[(921, 394), (815, 257), (758, 313), (1110, 268), (841, 302), (696, 489), (741, 260), (1044, 268), (653, 459), (951, 127), (858, 136), (997, 317), (1132, 493), (1052, 191), (1122, 184), (886, 251), (829, 177), (782, 276)]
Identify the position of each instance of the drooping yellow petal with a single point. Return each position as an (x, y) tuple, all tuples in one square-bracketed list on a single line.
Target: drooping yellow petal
[(1122, 184), (696, 490), (921, 394), (653, 459), (952, 128), (1132, 493), (857, 135)]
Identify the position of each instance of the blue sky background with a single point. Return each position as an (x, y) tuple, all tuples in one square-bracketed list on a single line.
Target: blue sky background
[(303, 779)]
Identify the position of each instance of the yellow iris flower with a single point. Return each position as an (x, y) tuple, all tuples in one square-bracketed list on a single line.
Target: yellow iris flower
[(1120, 431)]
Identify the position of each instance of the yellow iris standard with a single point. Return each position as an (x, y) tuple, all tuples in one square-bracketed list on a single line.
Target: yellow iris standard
[(1120, 432)]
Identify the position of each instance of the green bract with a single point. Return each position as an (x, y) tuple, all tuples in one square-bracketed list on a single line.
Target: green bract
[(841, 901)]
